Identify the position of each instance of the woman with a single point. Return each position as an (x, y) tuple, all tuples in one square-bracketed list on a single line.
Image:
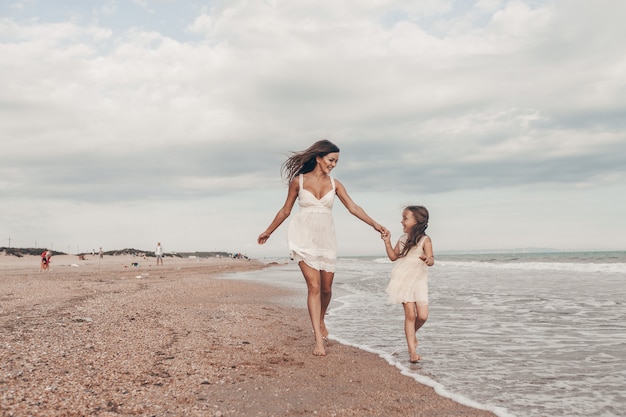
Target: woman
[(311, 233)]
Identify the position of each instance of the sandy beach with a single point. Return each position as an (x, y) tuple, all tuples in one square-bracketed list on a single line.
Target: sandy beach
[(105, 338)]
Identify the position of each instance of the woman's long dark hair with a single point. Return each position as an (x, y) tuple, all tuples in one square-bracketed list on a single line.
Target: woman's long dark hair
[(419, 230), (304, 161)]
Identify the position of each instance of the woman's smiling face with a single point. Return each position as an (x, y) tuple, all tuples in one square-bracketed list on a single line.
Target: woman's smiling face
[(328, 161)]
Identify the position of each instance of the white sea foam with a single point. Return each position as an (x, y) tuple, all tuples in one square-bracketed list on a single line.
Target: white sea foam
[(541, 266), (424, 380)]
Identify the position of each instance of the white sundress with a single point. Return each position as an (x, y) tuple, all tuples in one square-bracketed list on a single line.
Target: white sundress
[(409, 276), (311, 234)]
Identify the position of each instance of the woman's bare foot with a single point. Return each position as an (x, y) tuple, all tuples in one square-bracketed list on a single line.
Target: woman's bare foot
[(324, 330), (319, 349)]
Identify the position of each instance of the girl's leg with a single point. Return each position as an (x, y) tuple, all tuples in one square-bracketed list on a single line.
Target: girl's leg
[(410, 317), (313, 280), (325, 296), (422, 316)]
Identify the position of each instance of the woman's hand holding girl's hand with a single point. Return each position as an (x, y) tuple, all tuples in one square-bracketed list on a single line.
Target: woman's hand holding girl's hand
[(380, 229)]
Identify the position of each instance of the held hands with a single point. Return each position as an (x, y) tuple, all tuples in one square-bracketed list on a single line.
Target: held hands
[(385, 235), (380, 229)]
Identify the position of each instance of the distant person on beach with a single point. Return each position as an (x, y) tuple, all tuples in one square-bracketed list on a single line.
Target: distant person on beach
[(413, 254), (311, 233), (46, 257), (101, 253), (158, 252)]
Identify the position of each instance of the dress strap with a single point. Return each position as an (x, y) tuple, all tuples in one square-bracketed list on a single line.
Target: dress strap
[(301, 182)]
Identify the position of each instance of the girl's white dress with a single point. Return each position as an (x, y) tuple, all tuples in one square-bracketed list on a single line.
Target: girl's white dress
[(311, 233), (409, 276)]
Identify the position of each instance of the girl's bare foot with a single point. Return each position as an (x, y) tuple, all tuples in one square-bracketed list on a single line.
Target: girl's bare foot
[(415, 358)]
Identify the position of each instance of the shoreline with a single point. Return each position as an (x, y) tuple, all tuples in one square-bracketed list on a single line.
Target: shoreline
[(105, 338)]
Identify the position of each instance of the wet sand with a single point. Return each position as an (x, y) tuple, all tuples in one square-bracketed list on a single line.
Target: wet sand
[(104, 338)]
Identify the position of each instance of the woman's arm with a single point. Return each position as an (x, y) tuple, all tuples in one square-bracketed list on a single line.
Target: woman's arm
[(283, 213), (355, 209)]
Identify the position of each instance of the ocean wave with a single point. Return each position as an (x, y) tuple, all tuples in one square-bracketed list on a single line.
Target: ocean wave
[(541, 266), (382, 261)]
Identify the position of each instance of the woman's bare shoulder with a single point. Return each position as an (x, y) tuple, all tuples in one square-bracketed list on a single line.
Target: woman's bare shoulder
[(294, 184)]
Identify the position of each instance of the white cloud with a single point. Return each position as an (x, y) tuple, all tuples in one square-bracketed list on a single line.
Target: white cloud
[(108, 8), (488, 6), (145, 4)]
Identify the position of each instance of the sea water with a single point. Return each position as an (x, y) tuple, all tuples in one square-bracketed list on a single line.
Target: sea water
[(539, 334)]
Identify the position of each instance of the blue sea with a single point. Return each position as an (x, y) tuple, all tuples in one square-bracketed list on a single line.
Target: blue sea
[(533, 334)]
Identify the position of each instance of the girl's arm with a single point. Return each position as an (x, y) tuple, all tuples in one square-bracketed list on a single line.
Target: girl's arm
[(392, 252), (428, 256), (283, 213), (355, 209)]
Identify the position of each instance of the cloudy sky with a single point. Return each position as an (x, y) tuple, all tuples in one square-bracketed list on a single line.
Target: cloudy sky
[(124, 123)]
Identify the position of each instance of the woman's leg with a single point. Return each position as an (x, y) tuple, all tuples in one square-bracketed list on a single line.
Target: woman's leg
[(326, 292), (313, 281)]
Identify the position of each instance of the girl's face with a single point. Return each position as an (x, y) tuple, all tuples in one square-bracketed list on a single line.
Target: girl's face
[(408, 220), (328, 162)]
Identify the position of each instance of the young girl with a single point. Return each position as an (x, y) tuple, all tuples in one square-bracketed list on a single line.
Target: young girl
[(409, 277), (311, 233)]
